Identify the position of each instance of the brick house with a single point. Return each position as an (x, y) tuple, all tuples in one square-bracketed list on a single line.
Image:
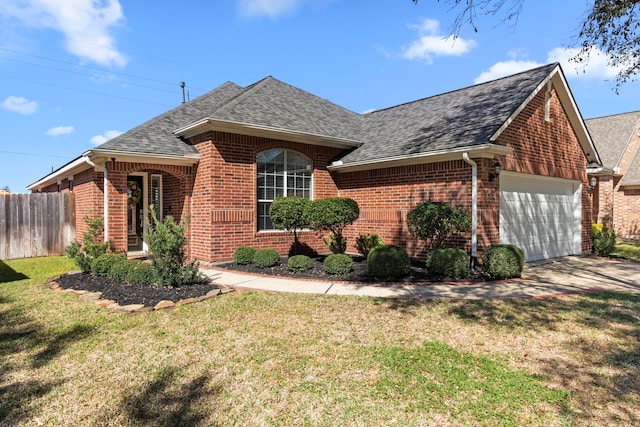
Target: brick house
[(616, 201), (223, 157)]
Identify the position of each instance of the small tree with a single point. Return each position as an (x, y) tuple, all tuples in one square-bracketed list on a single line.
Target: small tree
[(287, 213), (166, 243), (435, 222), (332, 214)]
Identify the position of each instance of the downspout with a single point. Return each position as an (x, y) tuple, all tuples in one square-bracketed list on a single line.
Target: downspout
[(105, 192), (474, 208)]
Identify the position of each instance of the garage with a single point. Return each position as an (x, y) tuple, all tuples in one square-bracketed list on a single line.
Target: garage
[(542, 215)]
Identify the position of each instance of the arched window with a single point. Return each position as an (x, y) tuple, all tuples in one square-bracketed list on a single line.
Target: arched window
[(281, 173)]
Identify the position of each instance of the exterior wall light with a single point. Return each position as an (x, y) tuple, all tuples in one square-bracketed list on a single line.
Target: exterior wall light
[(495, 172), (592, 183)]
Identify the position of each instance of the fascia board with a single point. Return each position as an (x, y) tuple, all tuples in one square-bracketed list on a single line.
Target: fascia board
[(488, 151), (78, 165), (98, 155)]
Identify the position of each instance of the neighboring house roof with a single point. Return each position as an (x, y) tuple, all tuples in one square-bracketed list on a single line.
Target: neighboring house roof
[(611, 135), (632, 177)]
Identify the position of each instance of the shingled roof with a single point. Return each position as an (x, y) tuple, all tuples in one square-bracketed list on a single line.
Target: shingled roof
[(611, 135), (463, 118), (156, 135)]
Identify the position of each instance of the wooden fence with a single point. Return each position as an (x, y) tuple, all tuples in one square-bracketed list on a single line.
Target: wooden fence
[(39, 224)]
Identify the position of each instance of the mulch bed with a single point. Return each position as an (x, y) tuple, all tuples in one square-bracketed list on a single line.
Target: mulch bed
[(359, 272), (124, 293)]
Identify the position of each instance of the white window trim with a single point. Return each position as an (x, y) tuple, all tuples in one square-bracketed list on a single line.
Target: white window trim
[(160, 190), (286, 153)]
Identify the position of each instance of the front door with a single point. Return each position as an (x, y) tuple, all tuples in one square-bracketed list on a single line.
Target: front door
[(135, 212)]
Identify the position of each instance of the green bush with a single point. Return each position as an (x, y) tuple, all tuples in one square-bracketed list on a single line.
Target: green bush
[(503, 261), (298, 263), (101, 266), (287, 213), (332, 214), (140, 273), (132, 271), (337, 264), (166, 244), (452, 263), (367, 242), (265, 258), (388, 261), (604, 241), (435, 222), (244, 255), (93, 244)]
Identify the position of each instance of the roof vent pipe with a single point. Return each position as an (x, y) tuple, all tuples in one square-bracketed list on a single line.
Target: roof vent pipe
[(474, 208)]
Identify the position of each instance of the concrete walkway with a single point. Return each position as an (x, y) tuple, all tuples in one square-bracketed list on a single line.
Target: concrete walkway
[(548, 278)]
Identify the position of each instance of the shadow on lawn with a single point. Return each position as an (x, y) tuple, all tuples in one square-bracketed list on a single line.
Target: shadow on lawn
[(19, 336), (165, 401), (604, 368), (8, 274)]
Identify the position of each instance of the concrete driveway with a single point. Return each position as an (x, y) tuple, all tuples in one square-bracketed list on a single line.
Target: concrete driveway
[(547, 278)]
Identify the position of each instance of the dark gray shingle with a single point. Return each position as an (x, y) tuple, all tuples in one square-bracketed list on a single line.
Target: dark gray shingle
[(156, 135), (462, 118), (611, 134)]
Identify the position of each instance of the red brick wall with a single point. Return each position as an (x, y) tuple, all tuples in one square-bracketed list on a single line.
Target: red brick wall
[(627, 213), (385, 196), (224, 214)]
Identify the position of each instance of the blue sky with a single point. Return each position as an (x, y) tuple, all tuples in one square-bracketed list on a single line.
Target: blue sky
[(75, 73)]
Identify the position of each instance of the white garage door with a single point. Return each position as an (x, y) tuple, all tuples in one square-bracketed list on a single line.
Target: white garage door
[(541, 215)]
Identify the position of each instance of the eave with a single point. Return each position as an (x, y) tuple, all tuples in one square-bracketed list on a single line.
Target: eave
[(487, 151), (210, 124), (97, 157)]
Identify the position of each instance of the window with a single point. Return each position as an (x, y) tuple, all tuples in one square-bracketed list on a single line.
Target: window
[(281, 173), (156, 194)]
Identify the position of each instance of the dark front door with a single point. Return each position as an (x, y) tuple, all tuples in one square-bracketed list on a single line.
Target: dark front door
[(134, 212)]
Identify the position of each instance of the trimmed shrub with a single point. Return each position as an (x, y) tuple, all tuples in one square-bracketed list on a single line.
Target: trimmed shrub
[(133, 271), (101, 266), (264, 258), (298, 263), (452, 263), (435, 222), (287, 213), (140, 273), (604, 241), (332, 214), (503, 261), (337, 264), (367, 242), (388, 261), (244, 255)]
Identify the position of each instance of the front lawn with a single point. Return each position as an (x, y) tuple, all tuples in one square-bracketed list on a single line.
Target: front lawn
[(629, 250), (258, 358)]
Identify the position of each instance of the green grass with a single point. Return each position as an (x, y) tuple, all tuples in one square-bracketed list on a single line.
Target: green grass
[(253, 358), (629, 250)]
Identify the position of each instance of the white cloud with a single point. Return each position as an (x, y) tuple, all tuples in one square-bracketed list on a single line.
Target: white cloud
[(101, 139), (432, 43), (270, 8), (595, 68), (60, 130), (20, 104), (505, 68), (86, 25)]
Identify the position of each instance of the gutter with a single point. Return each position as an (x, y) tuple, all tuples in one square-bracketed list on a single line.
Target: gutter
[(474, 208)]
